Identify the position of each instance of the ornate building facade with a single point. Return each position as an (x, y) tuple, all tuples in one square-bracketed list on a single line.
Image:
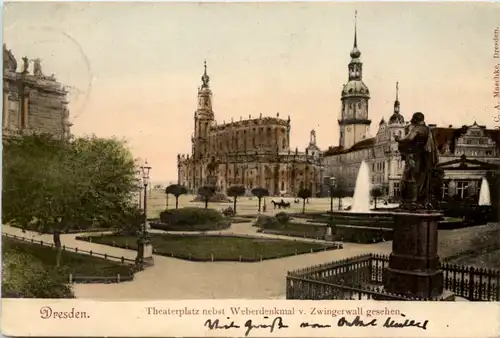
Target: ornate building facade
[(254, 152), (466, 153), (32, 101)]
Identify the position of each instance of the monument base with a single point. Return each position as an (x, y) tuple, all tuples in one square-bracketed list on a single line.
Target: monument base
[(414, 264), (144, 253), (446, 296), (418, 284)]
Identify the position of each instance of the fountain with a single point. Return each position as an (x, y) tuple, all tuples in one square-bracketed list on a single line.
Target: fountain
[(361, 198), (360, 224), (482, 212), (484, 193)]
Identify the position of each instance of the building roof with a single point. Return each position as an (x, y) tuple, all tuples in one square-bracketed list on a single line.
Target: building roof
[(364, 144), (451, 135)]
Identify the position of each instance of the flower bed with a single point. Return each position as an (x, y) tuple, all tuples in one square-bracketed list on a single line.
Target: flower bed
[(205, 248)]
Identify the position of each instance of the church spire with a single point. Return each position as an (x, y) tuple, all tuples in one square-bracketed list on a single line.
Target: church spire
[(205, 79), (355, 29), (205, 96), (396, 115), (355, 53), (396, 103)]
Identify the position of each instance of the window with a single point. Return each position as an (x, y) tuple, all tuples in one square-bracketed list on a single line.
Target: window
[(463, 189), (396, 189), (282, 186), (444, 190)]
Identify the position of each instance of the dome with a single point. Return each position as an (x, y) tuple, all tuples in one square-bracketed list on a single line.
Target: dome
[(382, 121), (9, 61), (397, 118), (355, 88), (355, 53)]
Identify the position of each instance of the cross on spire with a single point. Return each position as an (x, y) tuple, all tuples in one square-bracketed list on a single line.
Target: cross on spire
[(397, 91)]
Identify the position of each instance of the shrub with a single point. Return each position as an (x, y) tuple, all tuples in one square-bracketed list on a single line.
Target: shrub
[(24, 276), (264, 221), (282, 217), (228, 212), (194, 219)]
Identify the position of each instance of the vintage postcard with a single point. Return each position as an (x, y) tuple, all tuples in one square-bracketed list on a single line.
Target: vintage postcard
[(251, 169)]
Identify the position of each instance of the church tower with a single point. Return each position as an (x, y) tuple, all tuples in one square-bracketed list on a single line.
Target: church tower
[(353, 122), (203, 118)]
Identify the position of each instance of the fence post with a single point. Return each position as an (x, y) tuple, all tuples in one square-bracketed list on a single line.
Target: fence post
[(471, 283), (118, 278), (76, 249), (123, 259), (41, 242), (105, 256), (212, 257), (70, 278), (90, 252)]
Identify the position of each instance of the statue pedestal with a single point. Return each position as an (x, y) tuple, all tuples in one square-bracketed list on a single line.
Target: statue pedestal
[(414, 264), (144, 252)]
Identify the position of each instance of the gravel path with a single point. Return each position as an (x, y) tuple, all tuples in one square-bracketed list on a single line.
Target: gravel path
[(172, 278)]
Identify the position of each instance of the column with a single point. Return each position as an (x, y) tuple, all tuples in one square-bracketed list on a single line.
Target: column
[(24, 116)]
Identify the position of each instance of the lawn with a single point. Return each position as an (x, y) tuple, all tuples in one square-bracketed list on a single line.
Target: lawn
[(221, 248), (71, 262)]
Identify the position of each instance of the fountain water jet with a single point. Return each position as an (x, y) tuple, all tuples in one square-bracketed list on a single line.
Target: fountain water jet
[(361, 198), (484, 193)]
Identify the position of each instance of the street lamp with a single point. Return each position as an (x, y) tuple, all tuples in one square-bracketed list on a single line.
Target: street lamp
[(144, 247), (332, 186), (138, 172)]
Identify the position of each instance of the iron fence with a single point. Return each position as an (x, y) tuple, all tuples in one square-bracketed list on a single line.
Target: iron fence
[(361, 277), (121, 259)]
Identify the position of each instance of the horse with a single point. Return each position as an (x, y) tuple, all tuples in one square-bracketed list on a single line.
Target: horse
[(281, 204)]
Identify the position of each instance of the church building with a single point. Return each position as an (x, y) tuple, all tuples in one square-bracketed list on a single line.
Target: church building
[(253, 152)]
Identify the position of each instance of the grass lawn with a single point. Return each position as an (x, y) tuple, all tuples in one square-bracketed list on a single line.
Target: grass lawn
[(71, 262), (202, 247)]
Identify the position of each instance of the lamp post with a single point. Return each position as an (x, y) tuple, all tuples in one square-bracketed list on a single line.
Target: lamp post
[(332, 186), (144, 247)]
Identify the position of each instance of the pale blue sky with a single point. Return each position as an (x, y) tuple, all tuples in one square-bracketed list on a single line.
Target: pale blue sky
[(135, 67)]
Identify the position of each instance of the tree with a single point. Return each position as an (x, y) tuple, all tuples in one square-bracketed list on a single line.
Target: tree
[(376, 193), (304, 193), (206, 192), (339, 191), (53, 185), (177, 190), (259, 193), (236, 191)]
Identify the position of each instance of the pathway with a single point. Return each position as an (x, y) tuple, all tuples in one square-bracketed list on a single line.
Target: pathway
[(172, 278)]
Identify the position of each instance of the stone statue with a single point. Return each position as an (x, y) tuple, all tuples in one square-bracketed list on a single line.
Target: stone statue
[(37, 68), (26, 63), (211, 171), (419, 151)]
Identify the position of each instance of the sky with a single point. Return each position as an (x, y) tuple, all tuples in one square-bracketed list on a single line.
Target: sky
[(133, 69)]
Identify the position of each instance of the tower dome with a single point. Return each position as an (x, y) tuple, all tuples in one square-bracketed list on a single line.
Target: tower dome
[(355, 88), (396, 117)]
